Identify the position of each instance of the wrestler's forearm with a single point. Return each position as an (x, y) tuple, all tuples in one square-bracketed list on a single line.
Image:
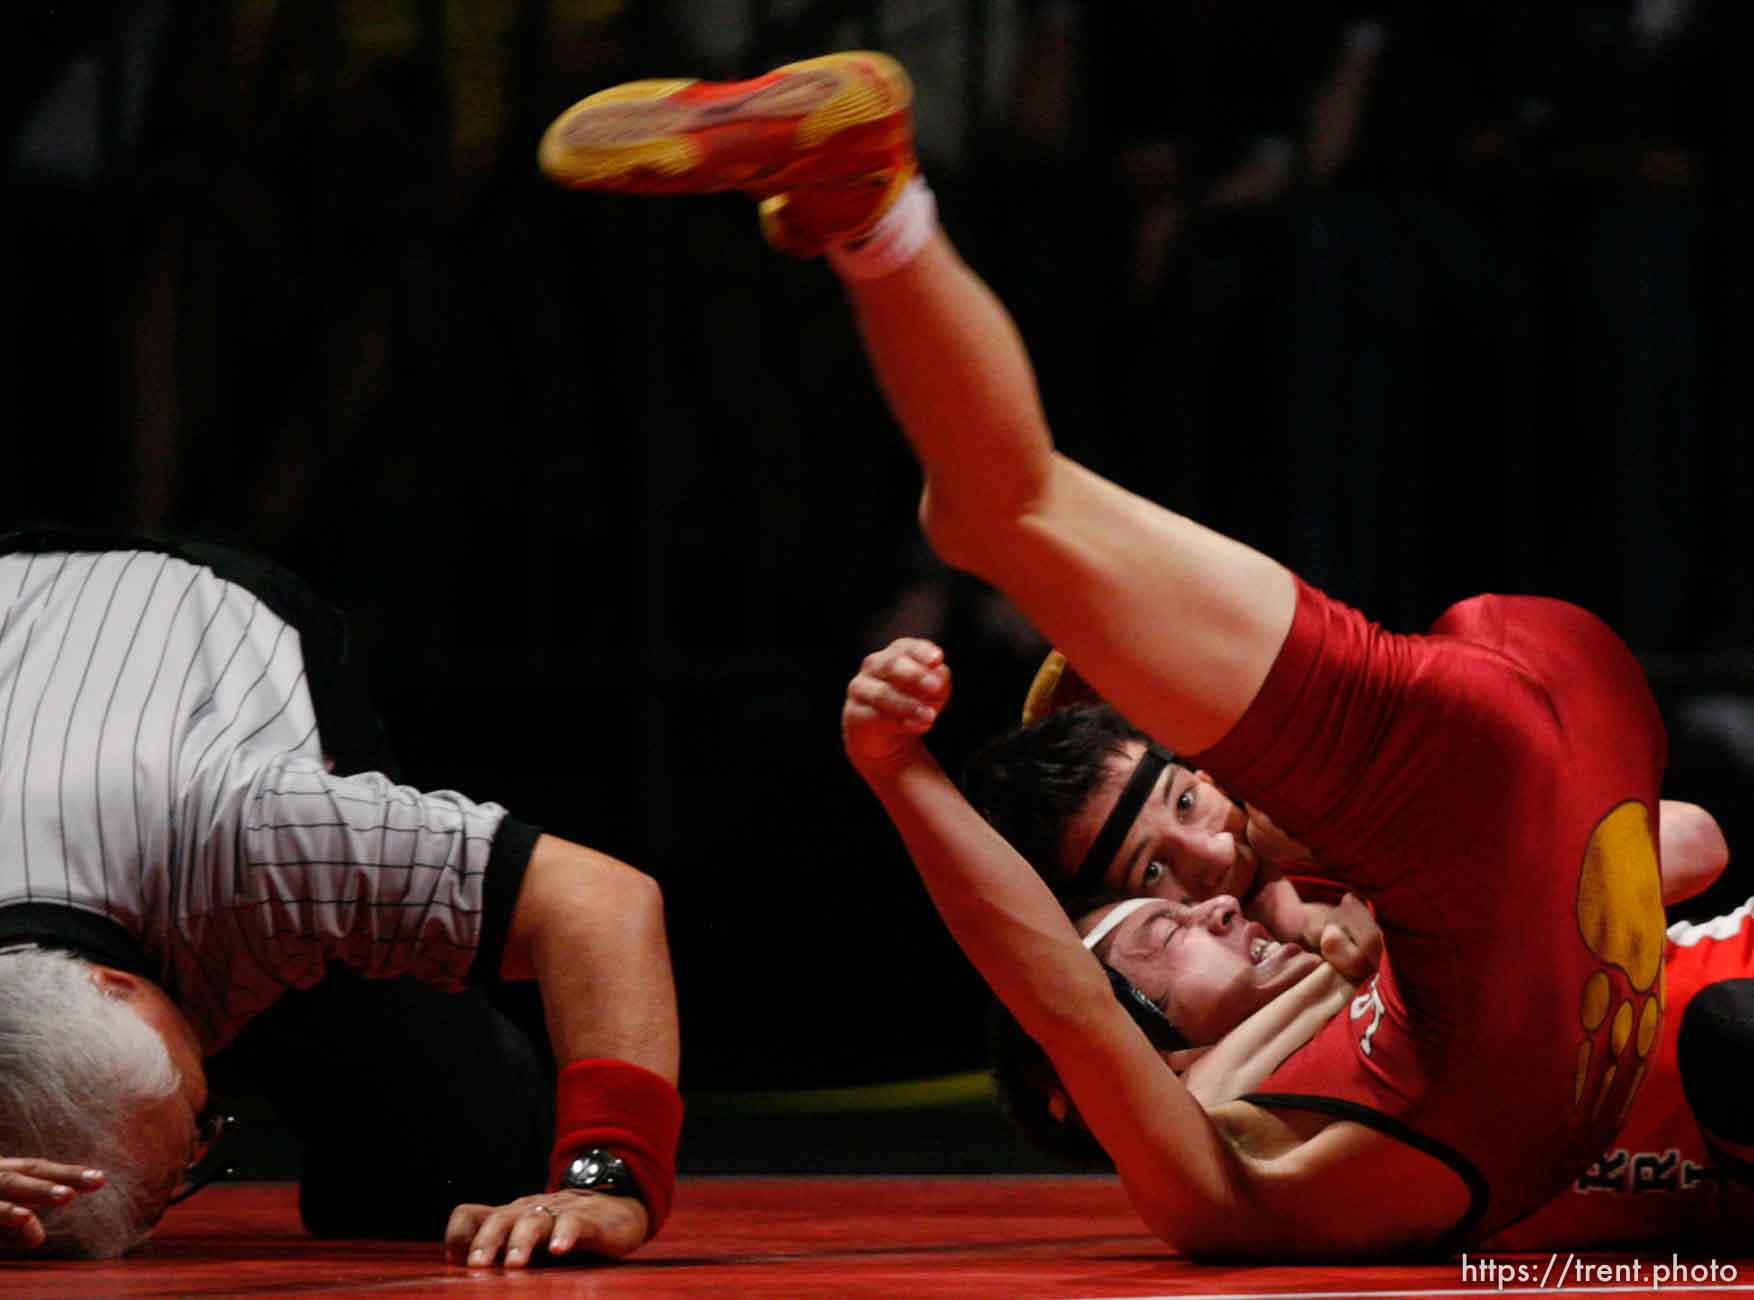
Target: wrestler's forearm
[(590, 930), (1004, 919), (1185, 1181), (1240, 1061)]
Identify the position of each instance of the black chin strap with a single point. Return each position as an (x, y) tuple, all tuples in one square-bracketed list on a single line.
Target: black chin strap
[(1159, 1028), (1107, 843)]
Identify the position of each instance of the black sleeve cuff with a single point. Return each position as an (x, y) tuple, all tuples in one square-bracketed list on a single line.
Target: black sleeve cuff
[(506, 865)]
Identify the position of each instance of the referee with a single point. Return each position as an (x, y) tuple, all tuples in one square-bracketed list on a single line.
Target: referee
[(204, 851)]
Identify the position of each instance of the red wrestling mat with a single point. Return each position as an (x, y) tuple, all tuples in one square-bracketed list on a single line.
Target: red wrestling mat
[(919, 1238)]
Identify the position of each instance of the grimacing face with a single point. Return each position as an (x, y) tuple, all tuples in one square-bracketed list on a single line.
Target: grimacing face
[(1205, 965)]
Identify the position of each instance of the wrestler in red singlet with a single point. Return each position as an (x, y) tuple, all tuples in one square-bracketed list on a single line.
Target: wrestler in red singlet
[(1514, 753)]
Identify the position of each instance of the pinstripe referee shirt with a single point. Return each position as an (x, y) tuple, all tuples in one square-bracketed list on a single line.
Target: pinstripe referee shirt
[(160, 767)]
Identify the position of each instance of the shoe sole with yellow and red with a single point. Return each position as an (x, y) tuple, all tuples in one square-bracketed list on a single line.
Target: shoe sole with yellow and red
[(841, 118)]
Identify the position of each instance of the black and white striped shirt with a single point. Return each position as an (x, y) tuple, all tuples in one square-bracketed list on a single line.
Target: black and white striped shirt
[(160, 766)]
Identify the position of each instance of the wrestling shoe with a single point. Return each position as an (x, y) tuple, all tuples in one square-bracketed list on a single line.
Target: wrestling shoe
[(826, 144)]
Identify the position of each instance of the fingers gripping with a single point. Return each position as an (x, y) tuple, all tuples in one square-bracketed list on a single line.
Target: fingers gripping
[(889, 701), (902, 678), (894, 699)]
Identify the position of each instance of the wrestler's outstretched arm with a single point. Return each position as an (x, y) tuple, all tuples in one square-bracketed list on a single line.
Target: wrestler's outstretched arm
[(1174, 624), (1192, 1186)]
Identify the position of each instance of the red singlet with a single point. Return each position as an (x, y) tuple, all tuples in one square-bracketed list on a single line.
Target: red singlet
[(1491, 788), (1657, 1182)]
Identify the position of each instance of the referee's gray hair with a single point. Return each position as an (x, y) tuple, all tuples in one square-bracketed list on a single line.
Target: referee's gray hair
[(75, 1069)]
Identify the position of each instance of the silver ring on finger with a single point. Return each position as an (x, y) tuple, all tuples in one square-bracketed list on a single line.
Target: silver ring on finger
[(545, 1210)]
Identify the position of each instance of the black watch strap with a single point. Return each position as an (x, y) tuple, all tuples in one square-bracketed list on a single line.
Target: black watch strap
[(601, 1171)]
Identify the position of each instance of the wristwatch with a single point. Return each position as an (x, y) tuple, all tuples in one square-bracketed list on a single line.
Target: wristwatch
[(602, 1171)]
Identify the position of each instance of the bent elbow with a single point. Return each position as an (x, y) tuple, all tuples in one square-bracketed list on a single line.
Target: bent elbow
[(1209, 1234)]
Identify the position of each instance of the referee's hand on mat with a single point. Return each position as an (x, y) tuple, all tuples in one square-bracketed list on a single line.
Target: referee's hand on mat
[(29, 1186), (898, 694), (561, 1223)]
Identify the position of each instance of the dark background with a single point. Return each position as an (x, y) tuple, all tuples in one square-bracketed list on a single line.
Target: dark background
[(1425, 300)]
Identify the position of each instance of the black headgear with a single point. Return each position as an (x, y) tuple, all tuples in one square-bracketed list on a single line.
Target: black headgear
[(1030, 1089), (1146, 1014), (1121, 817)]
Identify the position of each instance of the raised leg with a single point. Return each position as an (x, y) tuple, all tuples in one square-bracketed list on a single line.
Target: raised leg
[(1175, 624)]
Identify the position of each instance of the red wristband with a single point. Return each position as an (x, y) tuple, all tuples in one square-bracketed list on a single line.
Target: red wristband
[(625, 1109)]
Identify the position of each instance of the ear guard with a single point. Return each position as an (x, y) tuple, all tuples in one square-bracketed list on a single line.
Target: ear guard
[(1029, 1087), (1158, 1028), (1145, 1013)]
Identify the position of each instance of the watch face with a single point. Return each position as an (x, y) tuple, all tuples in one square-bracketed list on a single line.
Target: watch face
[(599, 1171)]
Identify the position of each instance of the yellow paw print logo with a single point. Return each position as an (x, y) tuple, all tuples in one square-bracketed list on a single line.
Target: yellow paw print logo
[(1620, 915)]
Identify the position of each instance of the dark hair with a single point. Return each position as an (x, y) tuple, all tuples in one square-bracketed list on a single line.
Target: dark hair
[(1030, 1092), (1031, 782), (1029, 1088)]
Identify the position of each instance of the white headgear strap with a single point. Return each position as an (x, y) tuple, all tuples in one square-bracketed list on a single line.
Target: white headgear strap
[(1108, 923)]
